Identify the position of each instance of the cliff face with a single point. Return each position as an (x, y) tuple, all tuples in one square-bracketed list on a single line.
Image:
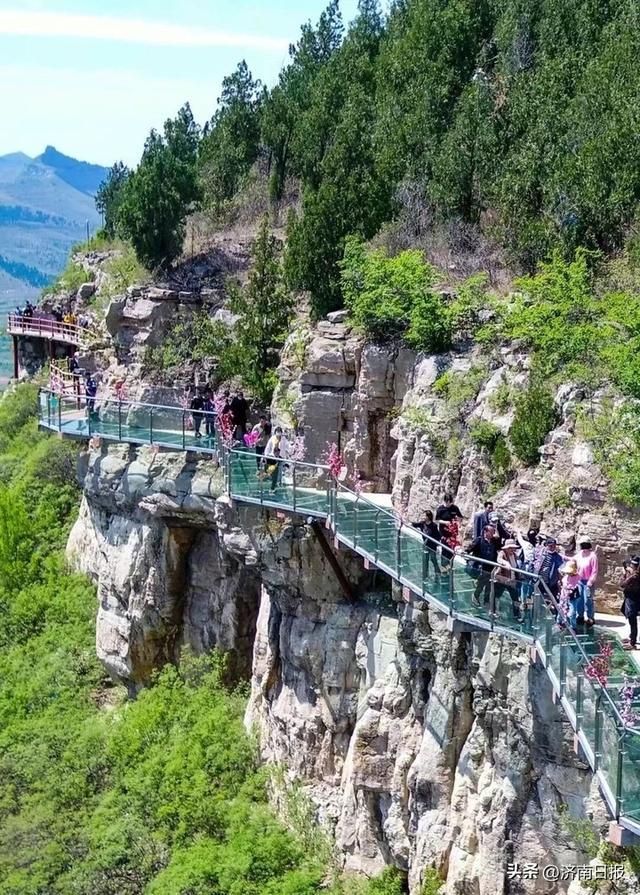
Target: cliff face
[(419, 745)]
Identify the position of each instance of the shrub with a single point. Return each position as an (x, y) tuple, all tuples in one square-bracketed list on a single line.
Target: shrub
[(535, 417), (459, 390), (486, 436), (391, 298)]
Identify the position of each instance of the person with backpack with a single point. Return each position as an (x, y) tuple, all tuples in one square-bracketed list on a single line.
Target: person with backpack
[(274, 453), (630, 585), (548, 565)]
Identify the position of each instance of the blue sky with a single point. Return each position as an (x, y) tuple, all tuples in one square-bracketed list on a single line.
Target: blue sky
[(92, 78)]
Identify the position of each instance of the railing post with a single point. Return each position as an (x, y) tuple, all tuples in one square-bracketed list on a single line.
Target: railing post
[(293, 483), (579, 695), (49, 409), (451, 588), (151, 425), (597, 745), (262, 475), (621, 754), (376, 548), (398, 556), (425, 566), (119, 420), (60, 414), (492, 601), (184, 434), (355, 522), (563, 666)]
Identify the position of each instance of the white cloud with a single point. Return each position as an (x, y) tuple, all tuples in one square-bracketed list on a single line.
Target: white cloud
[(88, 27)]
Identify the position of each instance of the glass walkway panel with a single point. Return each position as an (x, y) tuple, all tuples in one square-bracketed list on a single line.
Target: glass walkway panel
[(474, 593)]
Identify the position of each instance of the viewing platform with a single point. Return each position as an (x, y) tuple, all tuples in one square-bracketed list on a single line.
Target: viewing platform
[(604, 712), (40, 326)]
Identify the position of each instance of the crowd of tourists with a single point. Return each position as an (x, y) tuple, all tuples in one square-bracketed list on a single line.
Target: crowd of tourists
[(504, 561), (507, 562)]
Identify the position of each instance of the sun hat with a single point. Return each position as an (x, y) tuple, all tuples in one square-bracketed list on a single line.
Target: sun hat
[(570, 567), (511, 545)]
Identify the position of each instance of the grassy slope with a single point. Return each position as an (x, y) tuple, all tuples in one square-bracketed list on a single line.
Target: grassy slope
[(100, 796)]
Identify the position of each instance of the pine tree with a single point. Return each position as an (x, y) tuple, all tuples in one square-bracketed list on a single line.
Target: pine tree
[(109, 196), (264, 310), (161, 191)]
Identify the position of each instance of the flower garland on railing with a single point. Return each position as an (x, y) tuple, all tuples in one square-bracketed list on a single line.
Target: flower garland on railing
[(226, 428), (599, 667), (630, 717)]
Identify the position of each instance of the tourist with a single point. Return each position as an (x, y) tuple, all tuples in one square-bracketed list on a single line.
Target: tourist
[(275, 451), (501, 530), (447, 517), (431, 533), (210, 414), (548, 565), (481, 519), (240, 413), (485, 549), (631, 605), (527, 560), (226, 402), (262, 430), (588, 570), (506, 576), (197, 407), (90, 390), (569, 593), (28, 310)]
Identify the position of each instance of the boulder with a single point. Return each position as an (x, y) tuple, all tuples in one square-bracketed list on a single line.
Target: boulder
[(85, 291)]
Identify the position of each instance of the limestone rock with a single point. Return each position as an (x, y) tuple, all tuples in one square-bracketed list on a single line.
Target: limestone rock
[(85, 291)]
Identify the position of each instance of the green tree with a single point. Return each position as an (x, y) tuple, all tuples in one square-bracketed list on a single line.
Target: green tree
[(109, 196), (283, 114), (264, 310), (161, 191), (534, 418), (231, 140)]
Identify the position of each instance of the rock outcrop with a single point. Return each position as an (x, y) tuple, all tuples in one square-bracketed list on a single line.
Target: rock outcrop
[(419, 746)]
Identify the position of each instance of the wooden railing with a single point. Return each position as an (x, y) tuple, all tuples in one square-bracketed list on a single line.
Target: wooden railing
[(48, 328)]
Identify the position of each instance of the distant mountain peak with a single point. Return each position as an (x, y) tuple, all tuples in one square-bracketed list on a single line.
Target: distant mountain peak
[(80, 175)]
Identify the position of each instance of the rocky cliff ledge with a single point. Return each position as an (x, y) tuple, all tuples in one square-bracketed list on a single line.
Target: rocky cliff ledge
[(419, 745)]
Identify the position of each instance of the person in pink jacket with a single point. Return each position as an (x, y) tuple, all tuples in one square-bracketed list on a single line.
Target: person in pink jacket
[(587, 563)]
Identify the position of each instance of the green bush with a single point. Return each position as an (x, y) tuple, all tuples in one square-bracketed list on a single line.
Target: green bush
[(390, 298), (535, 417), (486, 436)]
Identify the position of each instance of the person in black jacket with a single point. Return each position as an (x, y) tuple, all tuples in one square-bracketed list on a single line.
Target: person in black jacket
[(197, 408), (240, 413), (484, 548), (431, 533), (631, 606)]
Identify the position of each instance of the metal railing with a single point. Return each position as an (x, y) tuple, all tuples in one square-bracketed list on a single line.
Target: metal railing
[(48, 328), (473, 591)]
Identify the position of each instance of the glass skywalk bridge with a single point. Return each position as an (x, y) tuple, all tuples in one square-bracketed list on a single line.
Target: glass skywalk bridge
[(470, 592)]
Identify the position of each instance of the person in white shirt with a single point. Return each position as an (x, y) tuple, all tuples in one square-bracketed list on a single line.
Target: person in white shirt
[(275, 452)]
